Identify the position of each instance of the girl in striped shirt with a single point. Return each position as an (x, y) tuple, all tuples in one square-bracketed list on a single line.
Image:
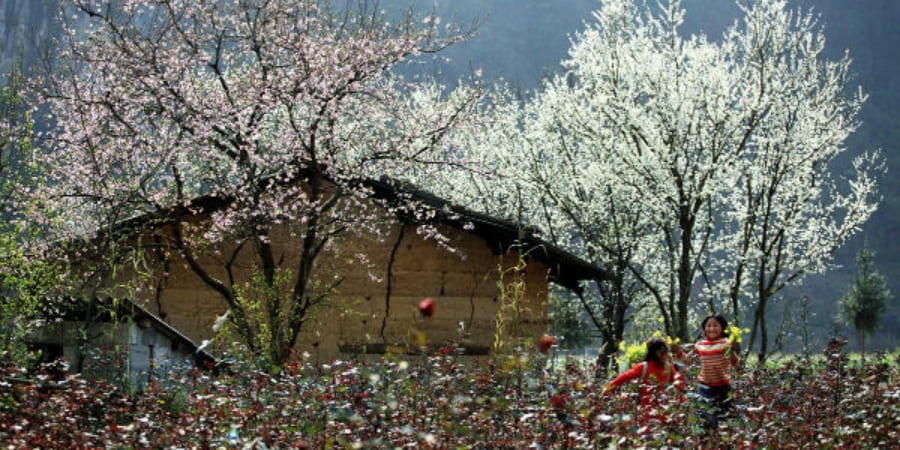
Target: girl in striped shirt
[(717, 357)]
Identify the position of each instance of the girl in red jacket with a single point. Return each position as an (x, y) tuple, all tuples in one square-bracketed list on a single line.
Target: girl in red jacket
[(655, 375)]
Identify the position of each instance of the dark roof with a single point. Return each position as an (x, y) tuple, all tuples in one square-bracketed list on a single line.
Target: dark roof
[(566, 269)]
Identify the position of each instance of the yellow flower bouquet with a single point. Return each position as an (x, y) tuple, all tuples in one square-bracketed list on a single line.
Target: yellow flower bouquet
[(734, 338)]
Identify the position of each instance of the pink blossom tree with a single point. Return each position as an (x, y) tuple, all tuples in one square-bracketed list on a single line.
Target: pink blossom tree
[(250, 113)]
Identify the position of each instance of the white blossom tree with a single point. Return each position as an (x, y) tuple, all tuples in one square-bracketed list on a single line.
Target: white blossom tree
[(277, 109), (788, 214), (704, 167)]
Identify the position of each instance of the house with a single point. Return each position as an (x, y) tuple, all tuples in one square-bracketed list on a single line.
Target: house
[(116, 340), (374, 309)]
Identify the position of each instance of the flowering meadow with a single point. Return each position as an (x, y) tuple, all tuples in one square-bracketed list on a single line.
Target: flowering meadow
[(447, 401)]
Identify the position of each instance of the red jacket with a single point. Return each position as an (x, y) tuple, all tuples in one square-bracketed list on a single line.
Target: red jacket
[(653, 383)]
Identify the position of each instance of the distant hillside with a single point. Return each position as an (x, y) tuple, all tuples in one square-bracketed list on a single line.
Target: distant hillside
[(25, 26)]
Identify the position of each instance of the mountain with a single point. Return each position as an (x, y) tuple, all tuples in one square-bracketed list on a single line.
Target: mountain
[(25, 26)]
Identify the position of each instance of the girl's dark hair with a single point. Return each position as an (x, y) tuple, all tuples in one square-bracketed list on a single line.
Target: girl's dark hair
[(719, 318), (653, 346)]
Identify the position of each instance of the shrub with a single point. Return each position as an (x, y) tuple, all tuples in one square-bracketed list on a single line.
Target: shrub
[(440, 401)]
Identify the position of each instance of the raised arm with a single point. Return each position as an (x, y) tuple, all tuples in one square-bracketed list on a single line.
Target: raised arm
[(631, 374)]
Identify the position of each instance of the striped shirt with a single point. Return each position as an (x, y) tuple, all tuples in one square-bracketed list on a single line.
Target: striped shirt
[(714, 364)]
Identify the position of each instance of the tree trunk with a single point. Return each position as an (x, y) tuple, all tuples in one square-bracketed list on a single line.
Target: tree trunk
[(862, 338), (763, 333), (614, 304), (680, 315)]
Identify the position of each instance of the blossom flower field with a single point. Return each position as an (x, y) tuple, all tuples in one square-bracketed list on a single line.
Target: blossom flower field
[(442, 400)]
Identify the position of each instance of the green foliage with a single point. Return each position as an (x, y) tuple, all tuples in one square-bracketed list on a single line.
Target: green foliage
[(22, 284), (867, 297), (262, 316), (511, 288), (23, 280), (513, 350), (568, 321)]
